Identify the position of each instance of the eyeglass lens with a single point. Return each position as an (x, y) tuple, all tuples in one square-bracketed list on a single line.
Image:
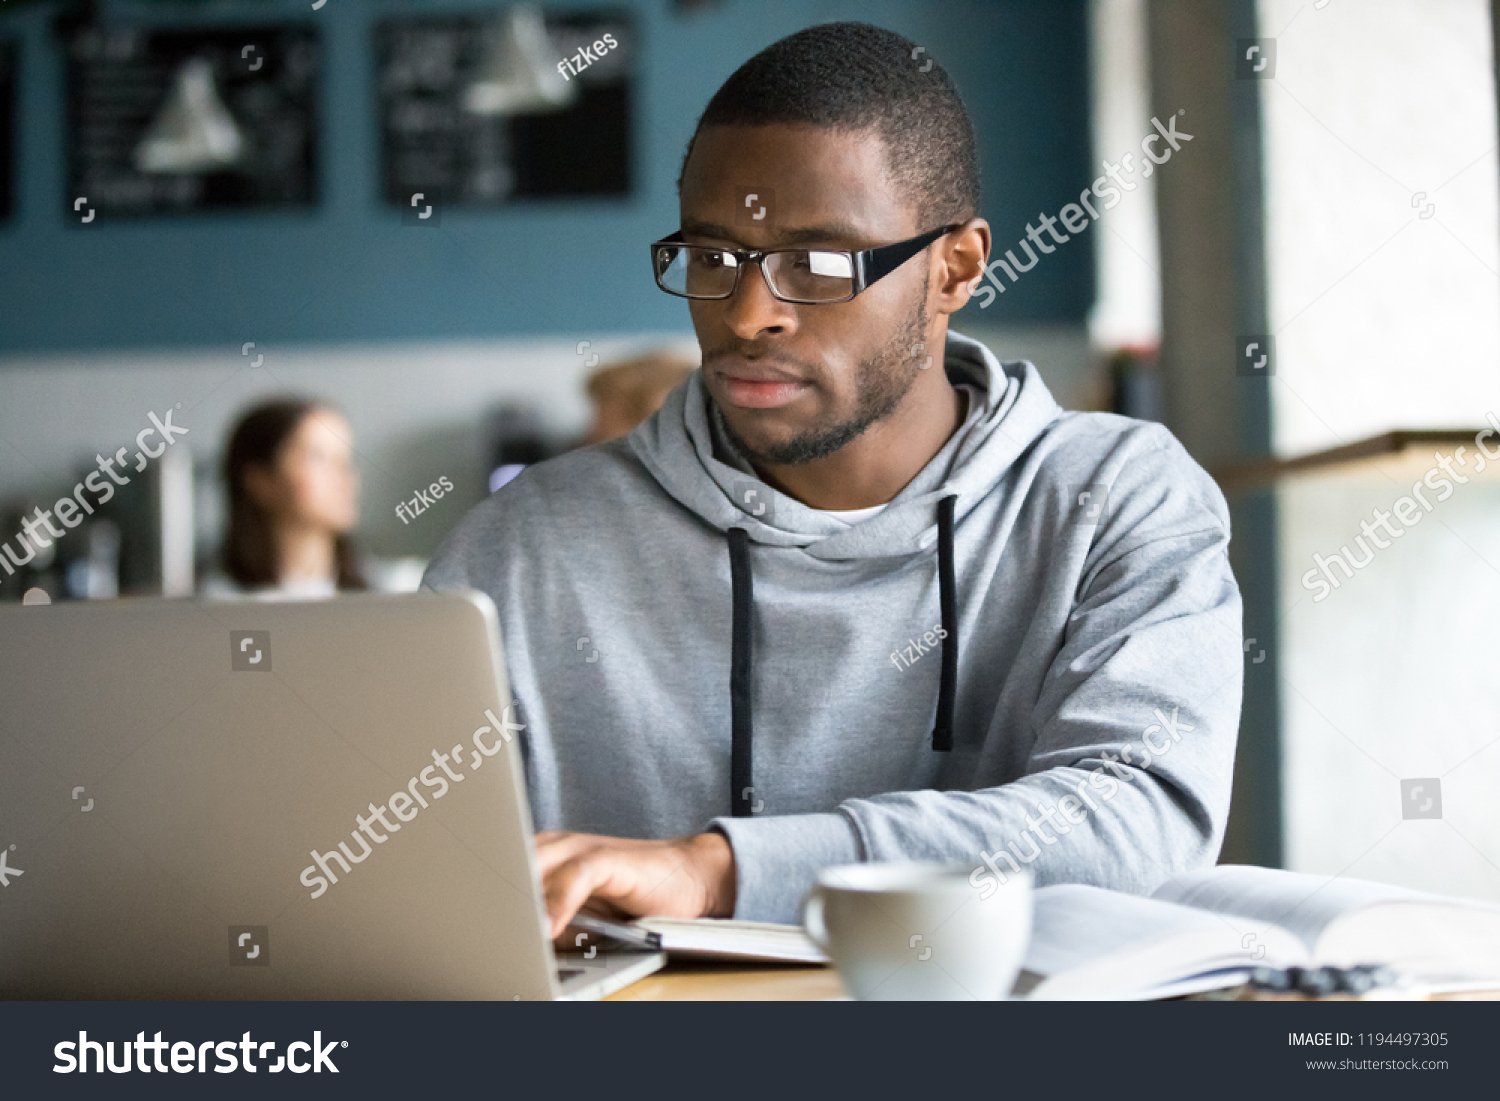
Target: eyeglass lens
[(803, 274)]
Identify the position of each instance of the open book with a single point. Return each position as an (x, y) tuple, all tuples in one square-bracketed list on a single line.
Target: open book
[(1208, 930)]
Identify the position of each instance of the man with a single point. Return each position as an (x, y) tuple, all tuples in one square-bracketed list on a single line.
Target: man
[(844, 599)]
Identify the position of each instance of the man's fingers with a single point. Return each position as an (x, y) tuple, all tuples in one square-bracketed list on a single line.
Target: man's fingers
[(630, 877), (566, 888), (556, 847)]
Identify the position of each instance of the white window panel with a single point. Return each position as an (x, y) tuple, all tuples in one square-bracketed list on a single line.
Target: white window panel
[(1380, 112)]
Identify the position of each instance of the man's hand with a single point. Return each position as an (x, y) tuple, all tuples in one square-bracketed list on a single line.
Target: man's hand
[(682, 877)]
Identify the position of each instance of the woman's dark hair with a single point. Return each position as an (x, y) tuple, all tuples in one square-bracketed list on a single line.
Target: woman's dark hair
[(249, 545)]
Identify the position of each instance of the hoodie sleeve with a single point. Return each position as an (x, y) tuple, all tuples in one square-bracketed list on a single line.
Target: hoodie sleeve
[(1132, 735)]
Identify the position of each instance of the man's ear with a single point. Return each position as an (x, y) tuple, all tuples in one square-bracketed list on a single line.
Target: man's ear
[(962, 255)]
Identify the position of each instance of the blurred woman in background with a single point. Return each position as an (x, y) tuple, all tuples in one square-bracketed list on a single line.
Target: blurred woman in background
[(293, 499)]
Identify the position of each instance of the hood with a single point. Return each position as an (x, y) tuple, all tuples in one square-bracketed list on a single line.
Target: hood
[(677, 447)]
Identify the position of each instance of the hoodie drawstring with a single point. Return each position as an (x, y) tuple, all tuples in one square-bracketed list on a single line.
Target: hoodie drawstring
[(942, 729), (741, 723)]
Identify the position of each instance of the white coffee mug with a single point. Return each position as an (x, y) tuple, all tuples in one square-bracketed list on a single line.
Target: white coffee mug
[(902, 932)]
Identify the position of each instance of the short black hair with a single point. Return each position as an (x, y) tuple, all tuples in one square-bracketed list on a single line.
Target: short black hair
[(855, 76)]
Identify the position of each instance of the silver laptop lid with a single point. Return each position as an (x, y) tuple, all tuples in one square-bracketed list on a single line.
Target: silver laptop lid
[(263, 801)]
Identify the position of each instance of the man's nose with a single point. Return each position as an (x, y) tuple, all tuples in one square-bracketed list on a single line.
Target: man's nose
[(753, 309)]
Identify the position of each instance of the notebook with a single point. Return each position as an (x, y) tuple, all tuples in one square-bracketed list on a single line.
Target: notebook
[(743, 941)]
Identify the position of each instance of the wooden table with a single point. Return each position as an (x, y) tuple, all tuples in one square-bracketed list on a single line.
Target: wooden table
[(701, 982)]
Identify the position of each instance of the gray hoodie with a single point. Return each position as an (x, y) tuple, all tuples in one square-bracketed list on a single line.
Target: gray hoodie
[(1087, 672)]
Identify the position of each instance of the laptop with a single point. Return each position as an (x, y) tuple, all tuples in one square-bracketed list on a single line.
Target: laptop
[(251, 800)]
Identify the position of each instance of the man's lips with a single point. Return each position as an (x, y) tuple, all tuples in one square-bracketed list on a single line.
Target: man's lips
[(755, 387)]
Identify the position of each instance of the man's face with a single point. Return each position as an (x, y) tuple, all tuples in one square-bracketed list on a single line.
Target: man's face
[(796, 382)]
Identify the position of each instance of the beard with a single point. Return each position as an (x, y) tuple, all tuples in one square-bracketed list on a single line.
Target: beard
[(882, 381)]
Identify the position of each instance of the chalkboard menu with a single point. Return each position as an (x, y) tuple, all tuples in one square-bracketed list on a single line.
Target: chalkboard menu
[(434, 144), (164, 121), (8, 57)]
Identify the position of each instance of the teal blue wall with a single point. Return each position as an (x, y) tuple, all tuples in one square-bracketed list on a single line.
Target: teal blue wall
[(349, 271)]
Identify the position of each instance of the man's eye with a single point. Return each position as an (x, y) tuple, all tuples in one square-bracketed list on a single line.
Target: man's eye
[(709, 259)]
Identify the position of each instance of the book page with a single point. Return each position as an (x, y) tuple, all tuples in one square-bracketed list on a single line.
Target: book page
[(1444, 943), (1306, 905), (1091, 942)]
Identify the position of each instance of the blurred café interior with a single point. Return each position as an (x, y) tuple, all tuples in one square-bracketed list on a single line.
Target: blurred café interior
[(401, 244)]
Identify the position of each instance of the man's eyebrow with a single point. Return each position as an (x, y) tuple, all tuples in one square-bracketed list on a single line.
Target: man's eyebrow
[(784, 238)]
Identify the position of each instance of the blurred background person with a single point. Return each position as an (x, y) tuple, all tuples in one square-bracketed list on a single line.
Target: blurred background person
[(621, 395), (625, 394), (293, 500)]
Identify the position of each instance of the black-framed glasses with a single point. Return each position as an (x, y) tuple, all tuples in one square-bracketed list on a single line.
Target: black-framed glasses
[(803, 276)]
